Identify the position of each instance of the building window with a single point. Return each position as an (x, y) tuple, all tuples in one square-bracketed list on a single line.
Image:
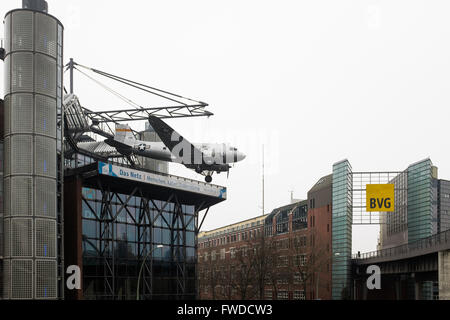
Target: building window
[(299, 295), (244, 251), (268, 294), (283, 261), (283, 279), (283, 295), (299, 218), (312, 203), (297, 278), (282, 221), (213, 256), (222, 254), (232, 253), (300, 260)]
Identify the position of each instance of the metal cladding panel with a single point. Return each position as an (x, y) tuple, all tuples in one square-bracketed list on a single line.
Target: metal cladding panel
[(33, 43), (46, 274), (46, 34), (45, 198), (7, 197), (45, 155), (6, 279), (45, 75), (21, 279), (21, 155), (7, 117), (8, 33), (22, 31), (21, 237), (21, 72), (21, 196), (7, 236), (45, 116), (7, 75), (45, 241), (22, 113), (7, 157)]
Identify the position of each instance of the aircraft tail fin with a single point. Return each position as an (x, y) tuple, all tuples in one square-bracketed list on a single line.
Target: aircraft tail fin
[(124, 135), (172, 140)]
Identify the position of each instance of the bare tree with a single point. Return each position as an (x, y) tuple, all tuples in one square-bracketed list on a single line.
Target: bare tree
[(245, 271), (210, 274), (263, 255), (228, 281), (309, 261)]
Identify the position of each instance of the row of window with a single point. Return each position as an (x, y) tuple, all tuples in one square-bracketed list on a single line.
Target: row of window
[(284, 295), (244, 236), (268, 294)]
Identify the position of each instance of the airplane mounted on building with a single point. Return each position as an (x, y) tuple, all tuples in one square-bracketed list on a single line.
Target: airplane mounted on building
[(204, 158)]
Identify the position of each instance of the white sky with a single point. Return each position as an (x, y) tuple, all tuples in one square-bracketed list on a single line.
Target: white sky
[(315, 81)]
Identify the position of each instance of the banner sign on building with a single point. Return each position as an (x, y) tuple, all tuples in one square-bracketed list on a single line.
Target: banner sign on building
[(380, 197), (161, 180)]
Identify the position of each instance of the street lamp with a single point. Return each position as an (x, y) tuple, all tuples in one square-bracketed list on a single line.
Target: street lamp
[(142, 267)]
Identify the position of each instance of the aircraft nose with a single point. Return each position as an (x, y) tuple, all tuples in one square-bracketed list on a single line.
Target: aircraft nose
[(240, 156)]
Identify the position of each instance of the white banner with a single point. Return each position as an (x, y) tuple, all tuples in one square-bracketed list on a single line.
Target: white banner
[(160, 180)]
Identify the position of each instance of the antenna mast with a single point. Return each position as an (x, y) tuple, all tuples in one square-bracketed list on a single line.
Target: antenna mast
[(263, 180)]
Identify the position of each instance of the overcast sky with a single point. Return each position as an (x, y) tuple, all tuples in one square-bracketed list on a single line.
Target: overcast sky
[(315, 81)]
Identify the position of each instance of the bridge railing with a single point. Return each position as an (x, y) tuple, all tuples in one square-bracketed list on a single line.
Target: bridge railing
[(438, 239)]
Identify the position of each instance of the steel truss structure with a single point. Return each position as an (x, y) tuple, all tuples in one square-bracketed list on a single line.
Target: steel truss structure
[(145, 222), (358, 191), (102, 122)]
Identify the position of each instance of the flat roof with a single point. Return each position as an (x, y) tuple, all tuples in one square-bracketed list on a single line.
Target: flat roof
[(123, 179), (228, 228)]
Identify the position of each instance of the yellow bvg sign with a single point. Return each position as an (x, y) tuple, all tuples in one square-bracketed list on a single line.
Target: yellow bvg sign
[(380, 197)]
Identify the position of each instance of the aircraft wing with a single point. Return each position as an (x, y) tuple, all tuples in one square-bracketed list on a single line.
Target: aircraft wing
[(176, 143), (100, 148)]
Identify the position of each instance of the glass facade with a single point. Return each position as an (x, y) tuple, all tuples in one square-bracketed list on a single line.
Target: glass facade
[(420, 196), (300, 218), (113, 252), (342, 229), (422, 209), (282, 222)]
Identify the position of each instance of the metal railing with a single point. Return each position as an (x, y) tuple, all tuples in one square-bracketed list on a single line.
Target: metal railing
[(425, 245)]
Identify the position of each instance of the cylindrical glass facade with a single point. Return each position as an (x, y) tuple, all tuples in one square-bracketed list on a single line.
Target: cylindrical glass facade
[(33, 91)]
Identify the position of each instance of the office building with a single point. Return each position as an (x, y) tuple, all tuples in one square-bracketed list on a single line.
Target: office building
[(284, 255)]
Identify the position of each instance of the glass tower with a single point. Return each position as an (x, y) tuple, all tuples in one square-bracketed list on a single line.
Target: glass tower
[(420, 195), (342, 230)]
